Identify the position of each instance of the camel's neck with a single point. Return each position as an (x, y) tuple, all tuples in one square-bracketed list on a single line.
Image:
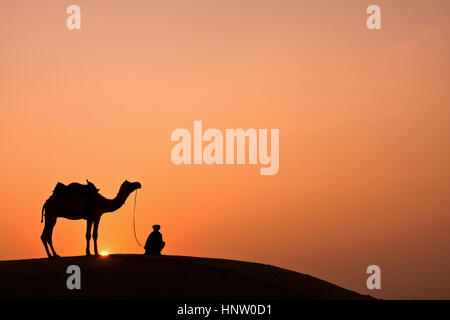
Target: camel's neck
[(111, 205)]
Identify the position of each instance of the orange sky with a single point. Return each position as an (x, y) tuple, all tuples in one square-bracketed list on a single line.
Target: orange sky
[(363, 116)]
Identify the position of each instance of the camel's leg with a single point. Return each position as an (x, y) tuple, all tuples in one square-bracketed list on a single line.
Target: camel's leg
[(95, 235), (88, 236), (44, 237), (51, 223)]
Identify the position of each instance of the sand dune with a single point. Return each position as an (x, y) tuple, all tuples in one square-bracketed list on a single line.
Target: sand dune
[(162, 278)]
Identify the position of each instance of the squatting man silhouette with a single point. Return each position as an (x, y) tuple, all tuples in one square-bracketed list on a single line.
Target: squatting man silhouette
[(154, 243)]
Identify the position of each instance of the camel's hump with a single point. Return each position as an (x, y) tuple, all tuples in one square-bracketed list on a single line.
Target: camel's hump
[(74, 189)]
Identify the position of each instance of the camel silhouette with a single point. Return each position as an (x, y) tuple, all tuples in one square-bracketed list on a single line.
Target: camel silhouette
[(76, 201)]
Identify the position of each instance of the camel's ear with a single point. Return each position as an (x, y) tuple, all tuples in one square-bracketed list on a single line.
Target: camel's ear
[(87, 181)]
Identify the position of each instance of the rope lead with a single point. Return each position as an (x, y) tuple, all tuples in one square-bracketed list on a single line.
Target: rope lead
[(134, 223)]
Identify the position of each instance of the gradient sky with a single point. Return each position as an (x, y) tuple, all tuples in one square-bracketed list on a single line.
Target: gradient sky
[(363, 116)]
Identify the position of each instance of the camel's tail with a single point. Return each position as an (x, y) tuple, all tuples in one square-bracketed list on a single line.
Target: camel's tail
[(43, 209)]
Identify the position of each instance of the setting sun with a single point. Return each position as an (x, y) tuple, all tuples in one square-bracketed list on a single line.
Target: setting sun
[(104, 253)]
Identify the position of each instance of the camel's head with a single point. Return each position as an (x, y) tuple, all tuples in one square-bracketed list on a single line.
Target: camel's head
[(129, 187)]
